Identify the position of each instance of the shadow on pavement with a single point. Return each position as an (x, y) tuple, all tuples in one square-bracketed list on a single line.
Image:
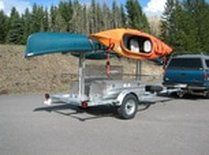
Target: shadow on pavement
[(188, 97), (95, 112)]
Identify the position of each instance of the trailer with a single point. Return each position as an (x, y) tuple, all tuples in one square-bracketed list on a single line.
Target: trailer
[(125, 95)]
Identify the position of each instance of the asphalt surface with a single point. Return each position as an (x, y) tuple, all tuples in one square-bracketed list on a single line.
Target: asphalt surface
[(175, 126)]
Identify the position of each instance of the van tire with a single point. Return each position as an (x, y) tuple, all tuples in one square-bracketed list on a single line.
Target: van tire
[(180, 94), (207, 94)]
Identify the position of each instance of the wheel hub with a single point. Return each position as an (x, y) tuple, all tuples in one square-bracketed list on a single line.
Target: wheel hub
[(130, 107)]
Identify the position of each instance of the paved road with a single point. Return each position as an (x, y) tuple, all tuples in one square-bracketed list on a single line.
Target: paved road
[(176, 126)]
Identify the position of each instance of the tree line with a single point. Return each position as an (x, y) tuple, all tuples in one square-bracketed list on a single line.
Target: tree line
[(70, 16), (184, 23)]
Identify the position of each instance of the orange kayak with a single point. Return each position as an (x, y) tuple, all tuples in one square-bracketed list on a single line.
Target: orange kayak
[(132, 44)]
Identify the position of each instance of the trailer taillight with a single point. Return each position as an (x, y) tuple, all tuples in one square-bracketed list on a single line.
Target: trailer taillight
[(48, 100), (84, 104), (46, 96)]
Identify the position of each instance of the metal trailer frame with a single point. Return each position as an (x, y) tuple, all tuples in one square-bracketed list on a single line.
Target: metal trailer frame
[(78, 98), (125, 95)]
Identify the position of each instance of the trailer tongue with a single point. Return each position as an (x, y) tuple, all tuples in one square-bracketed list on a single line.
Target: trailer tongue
[(126, 95)]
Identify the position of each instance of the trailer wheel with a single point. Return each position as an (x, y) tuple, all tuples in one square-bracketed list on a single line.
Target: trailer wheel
[(129, 107)]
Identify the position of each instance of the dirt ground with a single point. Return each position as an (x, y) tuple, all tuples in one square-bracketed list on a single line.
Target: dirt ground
[(51, 73)]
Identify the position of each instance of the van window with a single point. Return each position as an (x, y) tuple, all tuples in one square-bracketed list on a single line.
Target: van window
[(185, 63), (207, 63)]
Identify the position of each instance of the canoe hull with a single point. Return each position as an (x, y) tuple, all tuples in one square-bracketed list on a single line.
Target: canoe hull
[(49, 42)]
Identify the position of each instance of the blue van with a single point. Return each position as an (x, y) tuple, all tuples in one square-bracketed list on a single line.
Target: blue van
[(189, 73)]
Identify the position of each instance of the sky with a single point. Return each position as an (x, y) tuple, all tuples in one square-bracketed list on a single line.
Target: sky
[(150, 7)]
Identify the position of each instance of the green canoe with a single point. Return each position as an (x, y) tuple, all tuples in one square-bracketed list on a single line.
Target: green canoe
[(50, 42)]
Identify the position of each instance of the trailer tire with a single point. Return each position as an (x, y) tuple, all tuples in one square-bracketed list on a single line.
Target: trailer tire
[(129, 107)]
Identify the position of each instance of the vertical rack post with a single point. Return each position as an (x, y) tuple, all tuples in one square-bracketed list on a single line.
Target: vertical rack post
[(138, 70), (81, 75)]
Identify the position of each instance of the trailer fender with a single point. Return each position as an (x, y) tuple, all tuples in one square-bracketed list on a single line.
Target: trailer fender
[(122, 95)]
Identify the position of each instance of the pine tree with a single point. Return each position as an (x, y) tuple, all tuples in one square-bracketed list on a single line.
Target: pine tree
[(52, 19), (3, 27), (85, 20), (171, 29), (167, 21), (27, 20), (204, 29), (123, 16), (183, 35), (185, 24), (35, 25), (66, 12), (45, 21), (99, 17), (93, 17), (15, 33), (198, 11), (60, 24), (38, 16), (41, 18), (106, 18), (76, 20), (136, 18), (116, 15)]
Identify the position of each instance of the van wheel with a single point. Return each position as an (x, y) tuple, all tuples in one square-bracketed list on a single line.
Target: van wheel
[(180, 94), (129, 107), (207, 94)]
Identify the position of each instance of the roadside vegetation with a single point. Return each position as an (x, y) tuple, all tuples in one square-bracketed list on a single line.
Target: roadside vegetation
[(51, 73), (71, 16), (184, 26)]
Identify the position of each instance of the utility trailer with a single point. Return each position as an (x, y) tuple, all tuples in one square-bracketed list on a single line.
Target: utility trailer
[(126, 95)]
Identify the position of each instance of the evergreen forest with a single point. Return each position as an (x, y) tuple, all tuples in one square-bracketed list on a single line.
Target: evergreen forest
[(184, 24)]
